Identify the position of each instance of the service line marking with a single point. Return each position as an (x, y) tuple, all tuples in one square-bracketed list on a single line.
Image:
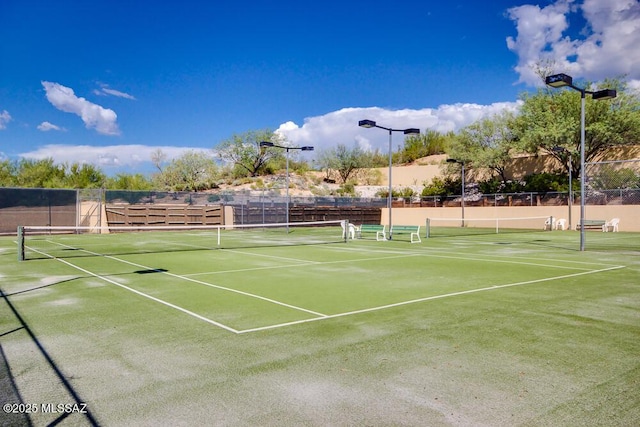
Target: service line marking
[(418, 300)]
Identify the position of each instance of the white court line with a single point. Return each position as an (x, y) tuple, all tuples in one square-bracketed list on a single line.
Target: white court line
[(168, 304), (319, 263), (235, 251), (200, 282), (414, 301), (428, 253), (401, 254)]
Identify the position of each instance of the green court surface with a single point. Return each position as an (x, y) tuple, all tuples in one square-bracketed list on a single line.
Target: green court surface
[(302, 328)]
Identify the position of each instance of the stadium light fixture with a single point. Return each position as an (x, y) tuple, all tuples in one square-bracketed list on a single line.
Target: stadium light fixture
[(561, 80), (368, 124), (461, 163), (268, 144)]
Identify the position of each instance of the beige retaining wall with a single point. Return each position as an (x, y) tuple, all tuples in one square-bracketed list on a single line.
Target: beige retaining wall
[(629, 215)]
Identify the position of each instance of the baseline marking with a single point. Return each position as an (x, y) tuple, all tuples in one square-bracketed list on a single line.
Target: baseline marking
[(200, 282), (142, 294)]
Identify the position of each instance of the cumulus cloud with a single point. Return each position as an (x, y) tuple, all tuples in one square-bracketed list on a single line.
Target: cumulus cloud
[(341, 127), (107, 157), (5, 118), (46, 126), (103, 120), (610, 45), (105, 90)]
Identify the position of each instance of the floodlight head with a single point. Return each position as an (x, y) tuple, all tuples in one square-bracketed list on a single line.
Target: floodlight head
[(604, 94), (559, 80), (411, 131), (306, 148), (367, 124), (266, 144)]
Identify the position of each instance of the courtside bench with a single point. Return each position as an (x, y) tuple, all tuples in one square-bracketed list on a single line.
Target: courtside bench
[(380, 230), (592, 223), (412, 230)]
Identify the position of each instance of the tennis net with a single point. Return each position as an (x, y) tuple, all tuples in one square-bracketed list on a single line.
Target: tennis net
[(448, 227), (41, 242)]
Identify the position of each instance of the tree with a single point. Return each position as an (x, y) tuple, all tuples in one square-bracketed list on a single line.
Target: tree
[(426, 144), (158, 157), (488, 143), (549, 120), (346, 162), (83, 176), (244, 151), (193, 171), (124, 181), (39, 174), (7, 173)]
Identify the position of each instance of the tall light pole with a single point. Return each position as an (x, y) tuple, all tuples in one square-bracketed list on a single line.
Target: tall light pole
[(266, 144), (410, 131), (570, 166), (560, 80), (461, 163)]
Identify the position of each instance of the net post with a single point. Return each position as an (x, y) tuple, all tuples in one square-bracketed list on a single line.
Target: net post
[(20, 243), (345, 230), (427, 228)]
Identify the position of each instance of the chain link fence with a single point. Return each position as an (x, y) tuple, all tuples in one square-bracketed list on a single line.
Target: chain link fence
[(608, 183), (613, 182)]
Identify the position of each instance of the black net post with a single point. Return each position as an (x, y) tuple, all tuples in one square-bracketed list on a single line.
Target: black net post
[(20, 243)]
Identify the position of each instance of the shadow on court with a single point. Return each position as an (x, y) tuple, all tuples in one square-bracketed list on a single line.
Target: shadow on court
[(9, 391)]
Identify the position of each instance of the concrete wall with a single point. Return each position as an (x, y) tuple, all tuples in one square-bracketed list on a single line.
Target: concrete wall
[(629, 215)]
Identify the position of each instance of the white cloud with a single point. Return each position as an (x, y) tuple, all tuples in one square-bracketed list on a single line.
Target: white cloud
[(46, 126), (341, 127), (610, 47), (112, 156), (5, 118), (105, 90), (94, 116)]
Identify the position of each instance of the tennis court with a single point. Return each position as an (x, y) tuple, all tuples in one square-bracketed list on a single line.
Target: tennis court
[(266, 326)]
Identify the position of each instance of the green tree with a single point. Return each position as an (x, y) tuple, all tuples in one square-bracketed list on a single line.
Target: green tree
[(488, 143), (549, 120), (193, 171), (344, 161), (124, 181), (7, 173), (244, 151), (83, 176), (42, 173), (425, 144)]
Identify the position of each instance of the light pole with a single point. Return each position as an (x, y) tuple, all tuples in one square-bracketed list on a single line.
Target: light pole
[(560, 80), (265, 144), (461, 163), (570, 166), (410, 131)]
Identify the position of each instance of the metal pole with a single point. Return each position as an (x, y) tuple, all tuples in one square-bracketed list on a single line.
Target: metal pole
[(582, 171), (389, 199), (570, 192), (462, 195), (287, 202)]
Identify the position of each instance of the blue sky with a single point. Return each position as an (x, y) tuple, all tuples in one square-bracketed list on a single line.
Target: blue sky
[(110, 81)]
